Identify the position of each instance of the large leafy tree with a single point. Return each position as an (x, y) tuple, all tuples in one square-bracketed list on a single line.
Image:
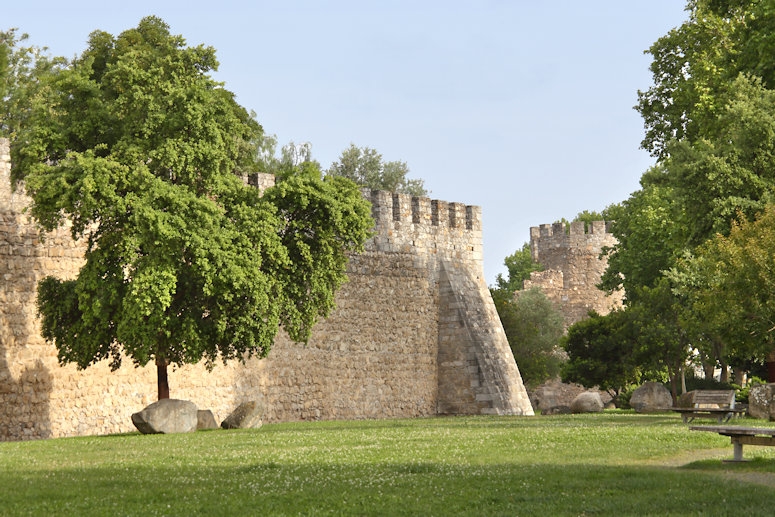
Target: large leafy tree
[(533, 328), (138, 146), (729, 284), (366, 167), (709, 122), (602, 352)]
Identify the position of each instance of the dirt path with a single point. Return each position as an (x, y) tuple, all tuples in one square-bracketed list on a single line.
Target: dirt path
[(757, 478)]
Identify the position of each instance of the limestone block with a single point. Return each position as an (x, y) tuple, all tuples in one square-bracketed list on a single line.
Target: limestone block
[(587, 402), (167, 416), (248, 415), (651, 397), (761, 402), (205, 420)]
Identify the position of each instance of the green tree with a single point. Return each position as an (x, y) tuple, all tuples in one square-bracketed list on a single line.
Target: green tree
[(519, 265), (709, 120), (533, 328), (649, 231), (586, 216), (21, 71), (729, 284), (138, 146), (365, 166), (602, 352)]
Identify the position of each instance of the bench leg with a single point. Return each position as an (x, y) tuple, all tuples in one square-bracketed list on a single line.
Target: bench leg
[(738, 449)]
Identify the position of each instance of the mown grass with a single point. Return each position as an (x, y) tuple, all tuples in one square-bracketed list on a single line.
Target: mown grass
[(614, 463)]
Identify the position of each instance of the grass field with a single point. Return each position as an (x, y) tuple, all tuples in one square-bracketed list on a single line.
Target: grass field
[(614, 463)]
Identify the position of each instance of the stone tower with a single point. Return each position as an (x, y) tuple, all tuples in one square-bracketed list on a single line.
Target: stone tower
[(572, 267)]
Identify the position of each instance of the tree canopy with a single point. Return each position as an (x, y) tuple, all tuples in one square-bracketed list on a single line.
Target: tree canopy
[(519, 265), (21, 70), (533, 328), (136, 145), (366, 167), (709, 122)]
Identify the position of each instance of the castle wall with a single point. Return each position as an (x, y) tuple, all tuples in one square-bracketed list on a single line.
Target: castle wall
[(414, 333), (573, 267)]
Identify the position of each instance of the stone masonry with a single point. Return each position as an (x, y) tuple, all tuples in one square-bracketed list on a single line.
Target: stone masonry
[(572, 268), (415, 333)]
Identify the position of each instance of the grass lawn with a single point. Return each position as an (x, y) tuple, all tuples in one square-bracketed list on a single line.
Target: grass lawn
[(613, 463)]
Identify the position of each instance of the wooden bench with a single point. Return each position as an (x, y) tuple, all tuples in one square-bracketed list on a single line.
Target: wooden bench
[(715, 403), (741, 436)]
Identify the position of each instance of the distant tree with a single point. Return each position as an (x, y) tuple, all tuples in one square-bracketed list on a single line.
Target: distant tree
[(586, 216), (601, 352), (365, 166), (22, 72), (533, 328), (137, 146), (519, 265)]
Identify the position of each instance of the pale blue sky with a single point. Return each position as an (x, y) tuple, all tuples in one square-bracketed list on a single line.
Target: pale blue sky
[(521, 107)]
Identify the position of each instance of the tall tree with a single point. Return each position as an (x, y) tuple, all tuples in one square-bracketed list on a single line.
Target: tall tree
[(602, 352), (138, 146), (366, 167), (729, 284), (533, 328), (708, 119)]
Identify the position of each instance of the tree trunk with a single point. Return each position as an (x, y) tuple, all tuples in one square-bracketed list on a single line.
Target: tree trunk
[(161, 378), (771, 366), (673, 375)]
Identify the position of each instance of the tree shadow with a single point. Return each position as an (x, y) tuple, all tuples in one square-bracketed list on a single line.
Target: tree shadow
[(25, 402)]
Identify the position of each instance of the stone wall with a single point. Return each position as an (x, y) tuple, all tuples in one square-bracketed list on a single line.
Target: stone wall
[(415, 333), (572, 267)]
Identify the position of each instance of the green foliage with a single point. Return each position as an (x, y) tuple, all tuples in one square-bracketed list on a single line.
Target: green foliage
[(586, 216), (709, 121), (22, 78), (648, 227), (295, 159), (602, 352), (519, 266), (729, 286), (705, 383), (138, 146), (743, 392), (426, 466), (365, 166), (533, 328)]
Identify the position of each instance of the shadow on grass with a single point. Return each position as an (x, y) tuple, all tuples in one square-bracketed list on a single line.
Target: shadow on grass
[(748, 465), (423, 488)]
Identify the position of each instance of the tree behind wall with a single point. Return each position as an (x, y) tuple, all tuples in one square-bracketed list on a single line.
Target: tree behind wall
[(137, 146), (365, 166), (533, 328)]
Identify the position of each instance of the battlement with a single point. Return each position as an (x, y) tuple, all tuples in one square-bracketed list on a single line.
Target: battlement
[(411, 224), (403, 223), (570, 256), (389, 207), (549, 243), (561, 230)]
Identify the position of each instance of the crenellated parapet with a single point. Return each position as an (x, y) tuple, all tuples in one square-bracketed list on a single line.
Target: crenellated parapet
[(417, 225), (407, 224), (549, 243), (573, 266)]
